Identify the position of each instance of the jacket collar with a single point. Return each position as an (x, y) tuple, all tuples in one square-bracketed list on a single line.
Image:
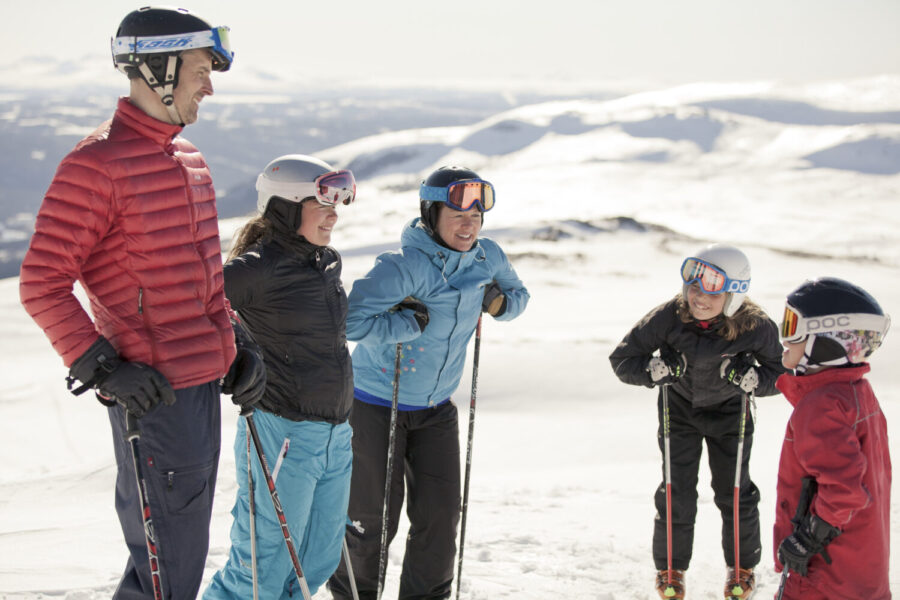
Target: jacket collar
[(795, 387), (133, 117)]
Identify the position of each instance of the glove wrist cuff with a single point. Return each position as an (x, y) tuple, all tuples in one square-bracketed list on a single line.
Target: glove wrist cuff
[(94, 366)]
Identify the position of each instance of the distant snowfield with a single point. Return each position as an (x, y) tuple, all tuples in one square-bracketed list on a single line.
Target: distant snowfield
[(598, 203)]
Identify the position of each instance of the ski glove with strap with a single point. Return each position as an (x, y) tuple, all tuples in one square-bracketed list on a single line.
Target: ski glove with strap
[(808, 539), (741, 371), (666, 368), (136, 386), (246, 378), (494, 301), (420, 311)]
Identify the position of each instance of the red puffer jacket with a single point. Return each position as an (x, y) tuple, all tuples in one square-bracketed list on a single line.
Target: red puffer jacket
[(131, 214), (838, 435)]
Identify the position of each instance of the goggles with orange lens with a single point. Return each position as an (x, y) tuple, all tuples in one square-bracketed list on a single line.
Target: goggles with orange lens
[(461, 195), (795, 327), (712, 279)]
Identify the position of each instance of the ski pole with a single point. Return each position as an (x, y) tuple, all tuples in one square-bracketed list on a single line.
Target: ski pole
[(253, 567), (350, 574), (465, 502), (737, 590), (808, 488), (784, 576), (132, 435), (247, 413), (667, 465), (395, 400)]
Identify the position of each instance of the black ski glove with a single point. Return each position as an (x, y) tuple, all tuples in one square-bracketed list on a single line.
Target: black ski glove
[(494, 302), (741, 371), (136, 386), (246, 378), (808, 539), (666, 368), (420, 311)]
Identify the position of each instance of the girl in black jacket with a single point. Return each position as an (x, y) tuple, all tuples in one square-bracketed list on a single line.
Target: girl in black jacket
[(284, 280), (710, 349)]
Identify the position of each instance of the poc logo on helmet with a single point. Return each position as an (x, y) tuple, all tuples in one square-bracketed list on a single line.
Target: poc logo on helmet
[(825, 323), (737, 286), (147, 45)]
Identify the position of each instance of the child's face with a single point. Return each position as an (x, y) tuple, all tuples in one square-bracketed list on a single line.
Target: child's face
[(703, 306), (793, 352)]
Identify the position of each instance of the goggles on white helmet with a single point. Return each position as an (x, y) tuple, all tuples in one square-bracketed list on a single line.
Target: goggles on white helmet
[(328, 189)]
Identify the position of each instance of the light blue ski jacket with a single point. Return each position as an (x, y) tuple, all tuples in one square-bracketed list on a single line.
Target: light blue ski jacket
[(451, 284)]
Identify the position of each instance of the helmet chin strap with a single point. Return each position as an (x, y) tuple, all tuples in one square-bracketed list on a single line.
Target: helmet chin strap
[(166, 89)]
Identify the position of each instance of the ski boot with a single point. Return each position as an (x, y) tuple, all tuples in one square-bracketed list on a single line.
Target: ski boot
[(667, 591), (740, 587)]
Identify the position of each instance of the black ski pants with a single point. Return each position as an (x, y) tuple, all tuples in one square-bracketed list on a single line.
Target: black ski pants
[(426, 460), (719, 427), (179, 449)]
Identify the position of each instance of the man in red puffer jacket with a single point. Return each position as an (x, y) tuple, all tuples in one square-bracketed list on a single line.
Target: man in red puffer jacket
[(131, 215)]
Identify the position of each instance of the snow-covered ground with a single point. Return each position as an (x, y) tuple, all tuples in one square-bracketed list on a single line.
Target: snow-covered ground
[(598, 203)]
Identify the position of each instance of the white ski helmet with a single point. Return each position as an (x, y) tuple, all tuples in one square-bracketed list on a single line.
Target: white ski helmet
[(291, 177), (733, 264)]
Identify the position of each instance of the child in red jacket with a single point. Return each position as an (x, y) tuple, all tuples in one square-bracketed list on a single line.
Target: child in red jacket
[(839, 541)]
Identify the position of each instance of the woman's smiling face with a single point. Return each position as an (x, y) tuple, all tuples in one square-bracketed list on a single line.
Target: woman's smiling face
[(459, 228)]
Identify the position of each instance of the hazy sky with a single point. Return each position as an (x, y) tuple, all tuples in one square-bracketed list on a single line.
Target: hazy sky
[(661, 41)]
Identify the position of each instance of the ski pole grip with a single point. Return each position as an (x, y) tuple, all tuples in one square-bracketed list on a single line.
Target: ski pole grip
[(132, 431), (246, 411)]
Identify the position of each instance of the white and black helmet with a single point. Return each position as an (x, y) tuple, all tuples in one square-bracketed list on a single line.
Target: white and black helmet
[(840, 322)]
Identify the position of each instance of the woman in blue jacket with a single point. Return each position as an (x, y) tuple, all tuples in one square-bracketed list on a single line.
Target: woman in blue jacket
[(427, 296)]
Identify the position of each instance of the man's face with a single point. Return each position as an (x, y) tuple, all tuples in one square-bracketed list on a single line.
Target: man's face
[(193, 83)]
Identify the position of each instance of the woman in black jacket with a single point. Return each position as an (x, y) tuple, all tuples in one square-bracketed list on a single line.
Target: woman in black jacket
[(709, 348), (284, 280)]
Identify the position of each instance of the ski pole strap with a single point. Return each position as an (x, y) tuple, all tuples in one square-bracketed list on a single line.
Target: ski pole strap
[(808, 489)]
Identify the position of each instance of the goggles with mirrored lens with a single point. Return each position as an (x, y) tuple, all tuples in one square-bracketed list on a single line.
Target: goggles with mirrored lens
[(461, 195), (328, 189), (336, 187), (795, 327), (712, 279), (126, 48)]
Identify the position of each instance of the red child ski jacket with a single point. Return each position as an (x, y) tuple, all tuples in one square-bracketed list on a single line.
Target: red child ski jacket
[(131, 214), (838, 435)]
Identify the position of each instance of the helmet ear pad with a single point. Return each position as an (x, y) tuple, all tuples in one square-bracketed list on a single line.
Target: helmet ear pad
[(285, 215), (825, 350)]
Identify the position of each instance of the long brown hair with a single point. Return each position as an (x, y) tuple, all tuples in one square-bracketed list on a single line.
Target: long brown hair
[(255, 229), (747, 318)]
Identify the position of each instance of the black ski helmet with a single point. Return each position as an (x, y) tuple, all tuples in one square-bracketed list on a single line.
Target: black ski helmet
[(840, 336), (441, 177), (149, 41)]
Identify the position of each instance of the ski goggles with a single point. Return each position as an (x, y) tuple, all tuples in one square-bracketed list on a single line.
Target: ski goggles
[(126, 48), (461, 195), (328, 189), (795, 327), (712, 279)]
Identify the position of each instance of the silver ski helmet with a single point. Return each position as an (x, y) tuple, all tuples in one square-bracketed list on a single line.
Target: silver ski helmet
[(725, 265), (290, 179), (841, 323)]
